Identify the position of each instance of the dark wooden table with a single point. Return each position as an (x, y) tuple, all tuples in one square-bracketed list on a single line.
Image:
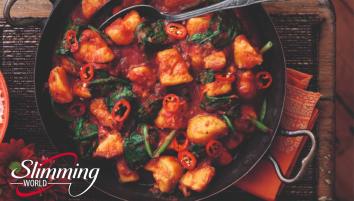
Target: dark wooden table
[(325, 78)]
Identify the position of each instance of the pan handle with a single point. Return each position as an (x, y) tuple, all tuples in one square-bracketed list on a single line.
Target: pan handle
[(23, 22), (304, 163)]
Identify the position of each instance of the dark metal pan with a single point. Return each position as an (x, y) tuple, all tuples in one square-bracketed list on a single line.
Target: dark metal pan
[(250, 154)]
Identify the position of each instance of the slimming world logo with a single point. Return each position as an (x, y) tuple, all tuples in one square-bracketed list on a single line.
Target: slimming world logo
[(38, 177)]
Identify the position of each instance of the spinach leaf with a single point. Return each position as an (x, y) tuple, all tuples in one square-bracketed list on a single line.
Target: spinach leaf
[(103, 86), (149, 109), (206, 76), (85, 134), (78, 125), (107, 80), (84, 130), (213, 30), (230, 27), (134, 150), (205, 37), (226, 36), (151, 34), (222, 29), (101, 74), (234, 111), (215, 103)]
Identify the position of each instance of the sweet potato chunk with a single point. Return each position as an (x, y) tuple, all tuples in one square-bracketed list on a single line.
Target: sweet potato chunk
[(93, 49), (143, 79), (198, 24), (246, 85), (132, 20), (59, 87), (215, 61), (122, 31), (197, 179), (90, 7), (172, 120), (217, 88), (98, 109), (68, 64), (111, 146), (126, 175), (119, 34), (245, 55), (196, 56), (141, 75), (204, 127), (166, 171), (197, 52), (172, 68), (81, 90)]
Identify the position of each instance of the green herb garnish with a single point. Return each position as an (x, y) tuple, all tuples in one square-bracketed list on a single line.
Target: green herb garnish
[(134, 150), (263, 111), (151, 34), (165, 144), (214, 103), (266, 47), (229, 123), (146, 139), (206, 76), (223, 28)]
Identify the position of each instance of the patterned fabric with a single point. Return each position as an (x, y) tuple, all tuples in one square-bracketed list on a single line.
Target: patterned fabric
[(299, 106), (299, 113)]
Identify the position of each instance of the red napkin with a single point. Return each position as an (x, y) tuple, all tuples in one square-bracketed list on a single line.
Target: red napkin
[(299, 113)]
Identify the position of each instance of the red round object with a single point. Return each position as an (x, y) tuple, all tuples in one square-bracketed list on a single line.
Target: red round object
[(171, 103), (87, 72), (77, 109), (180, 147), (214, 148), (176, 31), (187, 159), (71, 41), (5, 103), (264, 79), (225, 158), (121, 105)]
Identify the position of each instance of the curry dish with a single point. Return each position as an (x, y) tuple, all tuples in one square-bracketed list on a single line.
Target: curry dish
[(174, 100)]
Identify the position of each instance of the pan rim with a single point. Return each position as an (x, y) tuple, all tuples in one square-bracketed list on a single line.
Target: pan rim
[(226, 186)]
